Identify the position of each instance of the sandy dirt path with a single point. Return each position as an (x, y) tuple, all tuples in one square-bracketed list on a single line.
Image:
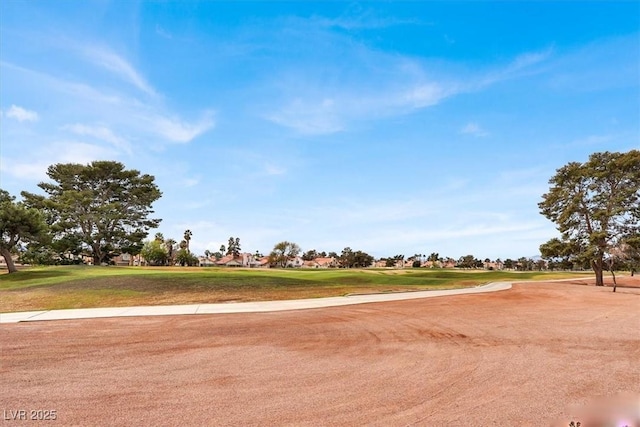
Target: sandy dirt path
[(517, 357)]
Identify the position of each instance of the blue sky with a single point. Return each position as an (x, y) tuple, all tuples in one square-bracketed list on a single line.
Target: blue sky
[(389, 127)]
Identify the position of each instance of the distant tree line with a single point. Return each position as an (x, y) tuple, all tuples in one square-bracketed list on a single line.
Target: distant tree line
[(103, 210)]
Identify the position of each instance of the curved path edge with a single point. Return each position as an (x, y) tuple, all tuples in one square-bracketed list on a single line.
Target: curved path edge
[(240, 307)]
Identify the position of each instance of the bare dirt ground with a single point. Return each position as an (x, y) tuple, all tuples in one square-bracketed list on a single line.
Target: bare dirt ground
[(519, 357)]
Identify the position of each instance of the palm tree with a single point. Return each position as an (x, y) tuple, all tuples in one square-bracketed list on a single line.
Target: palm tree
[(187, 238), (169, 244)]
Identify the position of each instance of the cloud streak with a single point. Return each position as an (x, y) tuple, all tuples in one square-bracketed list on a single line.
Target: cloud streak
[(113, 62), (321, 99), (36, 166), (101, 133), (177, 130), (473, 129), (21, 114), (136, 118)]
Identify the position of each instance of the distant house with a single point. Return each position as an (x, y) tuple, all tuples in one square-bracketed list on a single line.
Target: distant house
[(381, 263), (449, 263), (122, 260), (431, 264), (246, 260), (409, 262), (230, 261), (204, 261), (263, 262), (397, 263), (295, 262), (494, 265), (326, 262)]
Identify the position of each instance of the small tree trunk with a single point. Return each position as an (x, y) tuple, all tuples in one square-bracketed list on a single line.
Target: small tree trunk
[(614, 280), (610, 267), (599, 276), (599, 271), (7, 258)]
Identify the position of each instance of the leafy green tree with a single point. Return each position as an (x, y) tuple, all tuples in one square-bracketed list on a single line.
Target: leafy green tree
[(467, 261), (186, 258), (541, 265), (18, 224), (631, 253), (46, 251), (355, 259), (39, 254), (346, 258), (282, 252), (596, 205), (105, 205), (233, 246), (394, 260), (362, 259), (560, 253), (154, 252), (525, 264), (310, 255)]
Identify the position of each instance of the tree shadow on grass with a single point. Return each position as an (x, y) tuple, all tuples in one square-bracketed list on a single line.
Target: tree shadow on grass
[(24, 275)]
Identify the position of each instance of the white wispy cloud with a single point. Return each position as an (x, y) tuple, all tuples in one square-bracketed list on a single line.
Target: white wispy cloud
[(426, 95), (473, 129), (115, 63), (163, 33), (603, 64), (329, 97), (308, 117), (529, 58), (310, 113), (190, 182), (272, 169), (177, 130), (113, 110), (34, 167), (21, 114), (102, 133), (523, 64), (592, 140), (363, 20), (48, 82)]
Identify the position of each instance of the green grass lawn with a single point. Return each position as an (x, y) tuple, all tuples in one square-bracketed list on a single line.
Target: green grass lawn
[(41, 288)]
